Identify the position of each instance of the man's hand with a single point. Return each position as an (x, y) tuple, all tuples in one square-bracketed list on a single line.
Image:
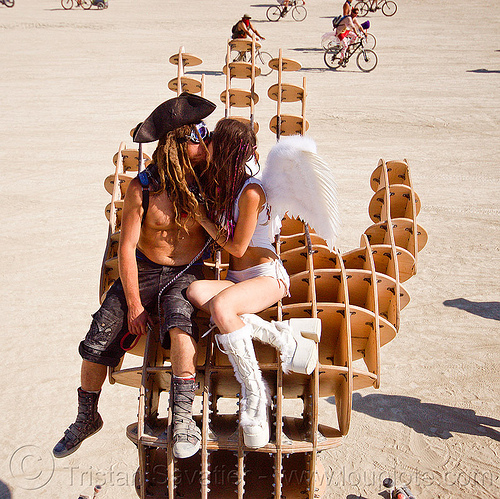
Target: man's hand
[(138, 320)]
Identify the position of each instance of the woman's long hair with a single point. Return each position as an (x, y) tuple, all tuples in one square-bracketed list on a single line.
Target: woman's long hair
[(233, 144), (174, 167)]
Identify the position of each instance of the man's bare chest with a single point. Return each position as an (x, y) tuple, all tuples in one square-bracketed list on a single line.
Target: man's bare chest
[(161, 212)]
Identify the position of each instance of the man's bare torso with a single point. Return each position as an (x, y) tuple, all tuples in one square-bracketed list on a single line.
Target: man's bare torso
[(162, 241)]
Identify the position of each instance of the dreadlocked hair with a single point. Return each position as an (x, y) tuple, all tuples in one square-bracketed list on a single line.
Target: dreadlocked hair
[(174, 167), (234, 143)]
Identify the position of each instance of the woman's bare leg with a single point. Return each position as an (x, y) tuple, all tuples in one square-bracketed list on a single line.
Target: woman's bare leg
[(199, 293), (247, 297)]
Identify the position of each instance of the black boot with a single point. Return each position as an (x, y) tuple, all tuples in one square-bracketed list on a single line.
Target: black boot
[(186, 436), (88, 421)]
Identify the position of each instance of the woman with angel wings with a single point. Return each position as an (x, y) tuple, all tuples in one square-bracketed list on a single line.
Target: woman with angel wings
[(238, 216)]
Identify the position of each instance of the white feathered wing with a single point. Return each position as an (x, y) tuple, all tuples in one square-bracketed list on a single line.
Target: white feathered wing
[(298, 182)]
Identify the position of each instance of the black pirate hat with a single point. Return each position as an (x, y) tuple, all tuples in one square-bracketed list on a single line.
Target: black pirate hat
[(186, 109)]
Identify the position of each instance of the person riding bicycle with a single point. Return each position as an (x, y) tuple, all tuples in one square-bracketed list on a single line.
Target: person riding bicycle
[(347, 31), (286, 4), (243, 27)]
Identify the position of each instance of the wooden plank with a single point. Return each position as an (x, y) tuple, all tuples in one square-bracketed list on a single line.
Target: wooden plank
[(292, 226), (123, 180), (112, 225), (130, 159), (286, 64), (239, 97), (191, 85), (372, 348), (326, 287), (242, 44), (397, 173), (299, 241), (384, 263), (401, 205), (290, 124), (295, 260), (186, 59), (207, 390), (240, 69), (343, 357), (289, 92), (116, 213), (404, 234), (415, 202)]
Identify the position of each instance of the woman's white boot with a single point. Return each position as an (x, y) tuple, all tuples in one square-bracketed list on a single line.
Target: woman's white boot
[(254, 417), (295, 339)]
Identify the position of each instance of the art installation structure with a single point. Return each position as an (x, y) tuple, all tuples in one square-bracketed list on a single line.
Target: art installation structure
[(240, 69), (183, 83), (287, 124), (358, 295)]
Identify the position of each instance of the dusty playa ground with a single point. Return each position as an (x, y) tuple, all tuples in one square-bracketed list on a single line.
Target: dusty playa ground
[(75, 82)]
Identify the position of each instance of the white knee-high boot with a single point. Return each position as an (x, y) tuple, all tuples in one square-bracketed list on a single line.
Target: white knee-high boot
[(254, 418), (294, 338)]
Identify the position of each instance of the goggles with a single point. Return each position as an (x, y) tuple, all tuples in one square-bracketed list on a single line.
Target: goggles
[(203, 131)]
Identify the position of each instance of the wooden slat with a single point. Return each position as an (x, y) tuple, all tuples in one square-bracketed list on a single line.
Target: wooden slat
[(290, 124), (404, 234), (187, 59), (401, 204), (289, 92), (343, 357), (397, 173), (285, 64), (295, 260), (240, 69), (188, 84), (239, 97), (242, 45)]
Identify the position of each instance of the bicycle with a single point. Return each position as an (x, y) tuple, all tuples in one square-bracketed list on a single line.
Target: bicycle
[(85, 4), (276, 12), (388, 7), (8, 3), (366, 60), (329, 40), (260, 56), (68, 4)]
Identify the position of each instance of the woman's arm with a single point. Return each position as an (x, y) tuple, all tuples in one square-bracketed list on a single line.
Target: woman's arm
[(250, 205)]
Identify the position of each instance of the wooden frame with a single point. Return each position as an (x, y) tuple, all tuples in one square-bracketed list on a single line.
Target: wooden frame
[(238, 97), (287, 124), (357, 295), (182, 83)]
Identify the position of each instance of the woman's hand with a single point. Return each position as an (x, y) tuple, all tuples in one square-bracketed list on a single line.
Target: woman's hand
[(201, 214)]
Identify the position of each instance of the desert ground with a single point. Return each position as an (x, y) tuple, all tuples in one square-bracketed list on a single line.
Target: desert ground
[(73, 85)]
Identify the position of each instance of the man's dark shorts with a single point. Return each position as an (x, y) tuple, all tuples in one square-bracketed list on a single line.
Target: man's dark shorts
[(109, 324)]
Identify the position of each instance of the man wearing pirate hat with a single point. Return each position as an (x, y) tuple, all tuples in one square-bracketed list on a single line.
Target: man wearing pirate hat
[(159, 242)]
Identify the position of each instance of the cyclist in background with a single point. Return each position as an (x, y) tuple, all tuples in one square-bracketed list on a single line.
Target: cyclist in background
[(243, 27), (347, 31), (286, 3)]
